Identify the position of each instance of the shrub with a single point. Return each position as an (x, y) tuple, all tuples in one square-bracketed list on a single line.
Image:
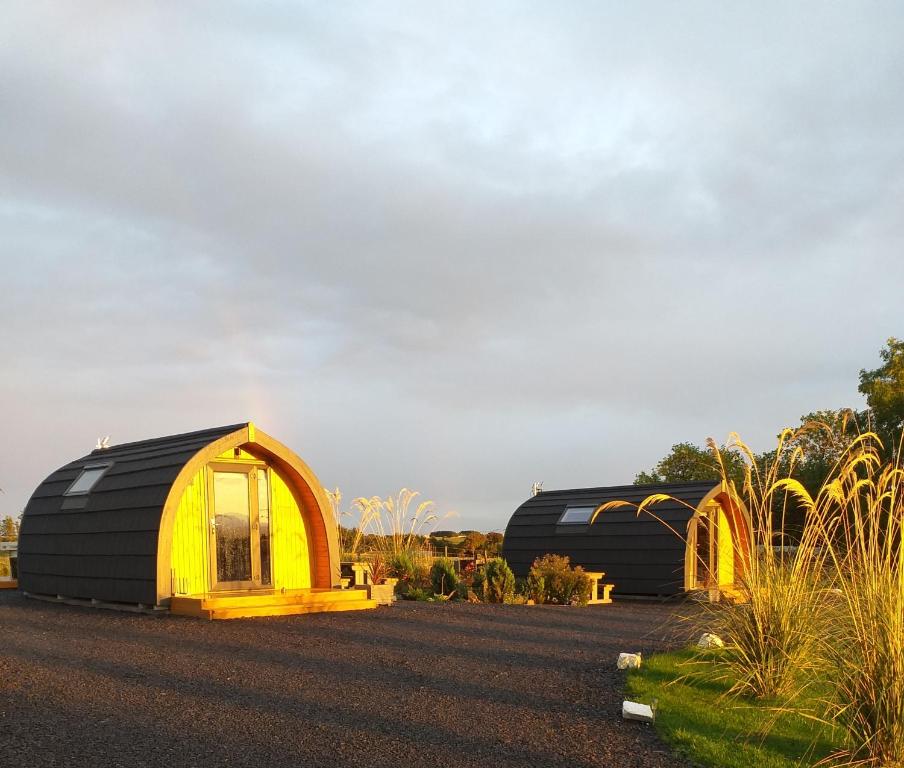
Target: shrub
[(535, 588), (553, 580), (409, 570), (443, 579), (418, 593), (402, 567), (478, 579), (461, 590), (495, 582)]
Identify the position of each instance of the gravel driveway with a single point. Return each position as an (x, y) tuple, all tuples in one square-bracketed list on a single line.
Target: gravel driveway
[(413, 685)]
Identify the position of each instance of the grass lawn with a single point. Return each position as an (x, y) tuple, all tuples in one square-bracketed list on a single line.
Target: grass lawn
[(696, 717)]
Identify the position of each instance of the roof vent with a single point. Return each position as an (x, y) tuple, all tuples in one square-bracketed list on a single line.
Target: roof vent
[(102, 443), (536, 488)]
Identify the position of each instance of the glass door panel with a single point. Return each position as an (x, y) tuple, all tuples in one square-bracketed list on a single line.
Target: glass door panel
[(232, 527), (263, 516), (702, 554)]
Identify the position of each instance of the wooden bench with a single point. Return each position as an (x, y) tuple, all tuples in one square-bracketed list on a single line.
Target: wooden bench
[(361, 571), (595, 578), (354, 573)]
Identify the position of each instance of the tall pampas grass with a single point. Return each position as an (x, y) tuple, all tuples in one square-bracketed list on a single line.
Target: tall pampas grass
[(864, 530), (397, 534), (770, 619), (392, 520), (776, 623), (822, 602)]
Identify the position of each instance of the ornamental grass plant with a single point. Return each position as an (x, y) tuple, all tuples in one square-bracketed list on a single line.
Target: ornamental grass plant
[(823, 603), (390, 530), (771, 622), (776, 622), (866, 653), (844, 583)]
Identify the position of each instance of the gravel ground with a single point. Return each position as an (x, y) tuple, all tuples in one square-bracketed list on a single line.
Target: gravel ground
[(412, 685)]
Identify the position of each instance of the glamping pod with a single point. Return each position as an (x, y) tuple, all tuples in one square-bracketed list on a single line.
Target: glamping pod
[(222, 523), (700, 539)]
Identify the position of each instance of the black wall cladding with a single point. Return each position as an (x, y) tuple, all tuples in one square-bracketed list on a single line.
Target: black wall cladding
[(104, 545), (639, 554)]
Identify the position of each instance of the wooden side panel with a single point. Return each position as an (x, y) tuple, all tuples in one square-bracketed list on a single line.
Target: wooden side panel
[(290, 546), (190, 558), (726, 546)]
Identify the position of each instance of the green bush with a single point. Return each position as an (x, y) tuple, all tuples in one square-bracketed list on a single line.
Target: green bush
[(553, 579), (406, 568), (465, 592), (477, 582), (535, 588), (443, 579), (418, 593), (495, 582)]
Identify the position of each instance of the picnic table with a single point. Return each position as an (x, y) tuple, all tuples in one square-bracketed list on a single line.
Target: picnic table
[(595, 578)]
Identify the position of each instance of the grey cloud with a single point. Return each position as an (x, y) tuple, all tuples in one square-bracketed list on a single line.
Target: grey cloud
[(461, 249)]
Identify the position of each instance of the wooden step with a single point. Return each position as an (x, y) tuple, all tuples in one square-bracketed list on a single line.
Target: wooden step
[(287, 610), (241, 604), (305, 597)]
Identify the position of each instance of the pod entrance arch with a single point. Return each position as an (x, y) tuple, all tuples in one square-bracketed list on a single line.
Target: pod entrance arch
[(718, 548)]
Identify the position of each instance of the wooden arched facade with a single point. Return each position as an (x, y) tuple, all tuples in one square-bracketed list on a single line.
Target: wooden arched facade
[(699, 538), (186, 521), (718, 542)]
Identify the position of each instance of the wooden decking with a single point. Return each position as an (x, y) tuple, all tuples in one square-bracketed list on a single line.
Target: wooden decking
[(238, 605)]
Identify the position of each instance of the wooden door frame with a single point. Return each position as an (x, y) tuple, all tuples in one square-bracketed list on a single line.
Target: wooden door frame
[(249, 468), (739, 524), (708, 515)]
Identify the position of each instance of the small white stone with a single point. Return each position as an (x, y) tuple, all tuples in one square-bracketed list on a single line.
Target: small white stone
[(632, 710), (709, 640), (628, 661)]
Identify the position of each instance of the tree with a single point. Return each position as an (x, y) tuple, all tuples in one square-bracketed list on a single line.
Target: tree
[(687, 463), (474, 540), (9, 530), (823, 437), (493, 543), (809, 456), (884, 390)]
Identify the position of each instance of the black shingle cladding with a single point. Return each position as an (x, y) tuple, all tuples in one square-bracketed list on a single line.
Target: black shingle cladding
[(640, 555), (104, 545)]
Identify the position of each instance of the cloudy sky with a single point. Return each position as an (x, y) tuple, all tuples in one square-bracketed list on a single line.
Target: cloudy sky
[(454, 246)]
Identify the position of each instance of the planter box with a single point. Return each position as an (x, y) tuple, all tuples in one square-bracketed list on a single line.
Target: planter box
[(383, 594)]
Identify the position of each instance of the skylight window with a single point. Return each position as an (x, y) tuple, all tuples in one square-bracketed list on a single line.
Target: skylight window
[(87, 480), (577, 515)]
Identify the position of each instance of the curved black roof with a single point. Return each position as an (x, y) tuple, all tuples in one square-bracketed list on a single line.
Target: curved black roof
[(103, 544), (639, 554)]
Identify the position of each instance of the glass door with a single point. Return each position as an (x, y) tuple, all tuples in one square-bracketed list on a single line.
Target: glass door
[(239, 527), (706, 549)]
